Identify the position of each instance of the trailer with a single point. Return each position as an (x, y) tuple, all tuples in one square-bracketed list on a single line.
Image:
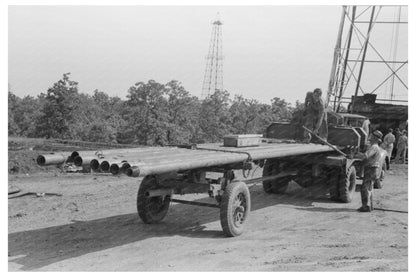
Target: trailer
[(179, 170)]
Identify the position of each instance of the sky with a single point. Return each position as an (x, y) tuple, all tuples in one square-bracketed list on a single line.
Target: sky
[(269, 51)]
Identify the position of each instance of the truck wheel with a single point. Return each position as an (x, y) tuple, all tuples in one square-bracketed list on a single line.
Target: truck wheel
[(234, 208), (347, 185), (332, 182), (378, 184), (305, 178), (151, 209), (272, 167)]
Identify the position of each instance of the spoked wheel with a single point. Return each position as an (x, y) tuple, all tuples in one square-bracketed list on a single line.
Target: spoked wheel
[(151, 209), (234, 208)]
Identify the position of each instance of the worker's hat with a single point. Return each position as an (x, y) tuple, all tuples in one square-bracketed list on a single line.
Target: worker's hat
[(377, 134)]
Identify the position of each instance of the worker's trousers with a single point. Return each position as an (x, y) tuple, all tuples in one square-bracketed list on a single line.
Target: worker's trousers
[(401, 151), (370, 176)]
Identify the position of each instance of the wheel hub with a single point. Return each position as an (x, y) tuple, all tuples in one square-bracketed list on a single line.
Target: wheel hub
[(239, 209)]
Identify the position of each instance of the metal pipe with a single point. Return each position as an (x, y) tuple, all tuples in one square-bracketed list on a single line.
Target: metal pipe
[(52, 158), (159, 192), (370, 26), (84, 160), (194, 203), (337, 51), (213, 158), (119, 168), (105, 166), (133, 171), (344, 69), (95, 164)]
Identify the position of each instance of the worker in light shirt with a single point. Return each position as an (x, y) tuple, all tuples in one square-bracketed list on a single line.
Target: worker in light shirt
[(371, 162), (388, 143)]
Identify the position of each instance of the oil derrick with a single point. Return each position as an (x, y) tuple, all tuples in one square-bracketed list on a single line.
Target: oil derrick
[(367, 63), (213, 70)]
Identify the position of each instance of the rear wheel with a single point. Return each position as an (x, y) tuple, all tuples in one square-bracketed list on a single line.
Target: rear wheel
[(234, 208), (332, 182), (151, 209), (273, 167), (347, 184)]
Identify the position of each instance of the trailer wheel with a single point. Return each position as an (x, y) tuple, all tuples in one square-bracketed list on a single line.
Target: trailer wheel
[(234, 208), (151, 209), (347, 185), (305, 179), (272, 167)]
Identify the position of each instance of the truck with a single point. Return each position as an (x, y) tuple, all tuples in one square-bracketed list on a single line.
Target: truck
[(211, 168)]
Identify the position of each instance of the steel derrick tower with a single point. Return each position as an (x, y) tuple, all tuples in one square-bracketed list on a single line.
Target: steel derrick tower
[(367, 59), (213, 79)]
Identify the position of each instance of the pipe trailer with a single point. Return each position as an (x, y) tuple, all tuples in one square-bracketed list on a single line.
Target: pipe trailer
[(167, 171)]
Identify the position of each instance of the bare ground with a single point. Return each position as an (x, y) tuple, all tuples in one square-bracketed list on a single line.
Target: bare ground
[(94, 226)]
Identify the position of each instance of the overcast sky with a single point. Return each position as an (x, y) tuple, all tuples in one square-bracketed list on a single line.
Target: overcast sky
[(270, 51)]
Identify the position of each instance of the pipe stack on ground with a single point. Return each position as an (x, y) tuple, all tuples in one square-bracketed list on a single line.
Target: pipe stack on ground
[(138, 162), (53, 158)]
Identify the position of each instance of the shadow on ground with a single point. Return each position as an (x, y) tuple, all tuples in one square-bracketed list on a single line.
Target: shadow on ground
[(38, 248)]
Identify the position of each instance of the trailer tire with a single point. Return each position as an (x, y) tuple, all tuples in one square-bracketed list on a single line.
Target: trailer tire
[(276, 186), (347, 184), (151, 209), (234, 208)]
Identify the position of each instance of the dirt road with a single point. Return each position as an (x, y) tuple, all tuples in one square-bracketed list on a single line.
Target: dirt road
[(93, 226)]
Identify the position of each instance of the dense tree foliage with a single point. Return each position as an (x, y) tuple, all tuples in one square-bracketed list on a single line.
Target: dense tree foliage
[(152, 114)]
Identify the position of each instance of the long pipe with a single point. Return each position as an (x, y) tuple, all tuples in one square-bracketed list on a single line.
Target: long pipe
[(336, 56), (132, 155), (344, 69), (115, 151), (117, 168), (185, 154), (53, 158), (370, 26), (217, 160)]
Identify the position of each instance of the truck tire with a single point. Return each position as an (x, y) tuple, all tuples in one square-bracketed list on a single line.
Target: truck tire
[(272, 167), (234, 208), (151, 209), (332, 182), (378, 184), (347, 184)]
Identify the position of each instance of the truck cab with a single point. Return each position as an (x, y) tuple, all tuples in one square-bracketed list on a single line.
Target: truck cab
[(357, 121), (345, 119)]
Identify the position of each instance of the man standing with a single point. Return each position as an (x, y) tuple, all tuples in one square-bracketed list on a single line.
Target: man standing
[(315, 114), (401, 147), (371, 163), (307, 117), (396, 134), (366, 127), (387, 145)]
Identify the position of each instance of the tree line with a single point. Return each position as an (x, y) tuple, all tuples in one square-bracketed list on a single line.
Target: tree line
[(152, 114)]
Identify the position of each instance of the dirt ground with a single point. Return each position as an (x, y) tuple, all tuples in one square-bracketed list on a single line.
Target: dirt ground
[(94, 226)]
